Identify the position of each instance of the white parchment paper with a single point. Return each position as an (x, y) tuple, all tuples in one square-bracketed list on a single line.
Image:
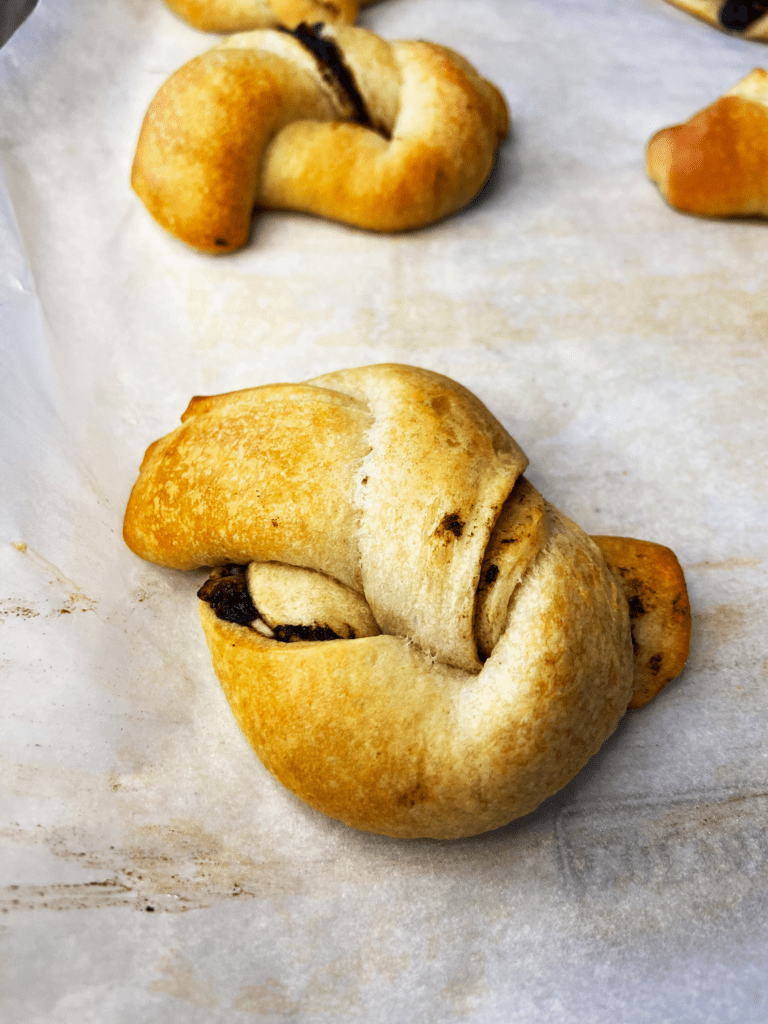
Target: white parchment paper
[(152, 869)]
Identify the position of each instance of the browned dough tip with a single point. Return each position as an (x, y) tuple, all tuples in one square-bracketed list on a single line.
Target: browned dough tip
[(659, 611)]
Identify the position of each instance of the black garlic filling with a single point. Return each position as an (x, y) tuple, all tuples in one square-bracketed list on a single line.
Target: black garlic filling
[(329, 57), (226, 591), (738, 15), (290, 634)]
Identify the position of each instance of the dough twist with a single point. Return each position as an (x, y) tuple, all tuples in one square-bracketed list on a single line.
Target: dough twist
[(420, 645), (331, 121), (747, 18), (244, 15), (716, 164)]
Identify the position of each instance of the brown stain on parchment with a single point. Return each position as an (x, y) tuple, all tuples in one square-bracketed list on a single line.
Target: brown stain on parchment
[(78, 600), (726, 564), (696, 306), (16, 610), (545, 297), (156, 869), (333, 988), (269, 998), (467, 987), (181, 983), (13, 609), (704, 306), (712, 629)]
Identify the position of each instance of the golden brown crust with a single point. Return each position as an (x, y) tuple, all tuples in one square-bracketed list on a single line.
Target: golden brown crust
[(399, 484), (716, 164), (321, 475), (708, 10), (244, 15), (256, 122), (379, 735), (200, 496), (659, 610), (517, 538)]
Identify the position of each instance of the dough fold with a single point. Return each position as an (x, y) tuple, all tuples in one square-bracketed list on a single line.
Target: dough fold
[(244, 15), (377, 734), (746, 18), (332, 121), (413, 640), (716, 164)]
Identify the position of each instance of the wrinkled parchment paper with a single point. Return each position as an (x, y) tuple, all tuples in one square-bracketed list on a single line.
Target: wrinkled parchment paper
[(152, 869)]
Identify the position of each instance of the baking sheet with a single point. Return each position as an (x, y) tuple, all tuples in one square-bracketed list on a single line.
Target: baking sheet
[(152, 869)]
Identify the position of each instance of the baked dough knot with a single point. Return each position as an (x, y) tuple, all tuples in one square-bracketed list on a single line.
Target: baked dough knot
[(716, 164), (746, 18), (244, 15), (413, 640), (329, 121)]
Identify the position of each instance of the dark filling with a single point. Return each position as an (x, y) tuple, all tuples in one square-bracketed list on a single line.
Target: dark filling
[(451, 523), (738, 15), (328, 55), (290, 634), (227, 593), (636, 607)]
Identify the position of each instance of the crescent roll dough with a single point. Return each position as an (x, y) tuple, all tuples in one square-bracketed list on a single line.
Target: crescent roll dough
[(748, 18), (420, 644), (243, 15), (330, 121), (716, 164)]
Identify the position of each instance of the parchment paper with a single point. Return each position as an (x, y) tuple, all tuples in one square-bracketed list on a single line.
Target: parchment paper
[(152, 869)]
